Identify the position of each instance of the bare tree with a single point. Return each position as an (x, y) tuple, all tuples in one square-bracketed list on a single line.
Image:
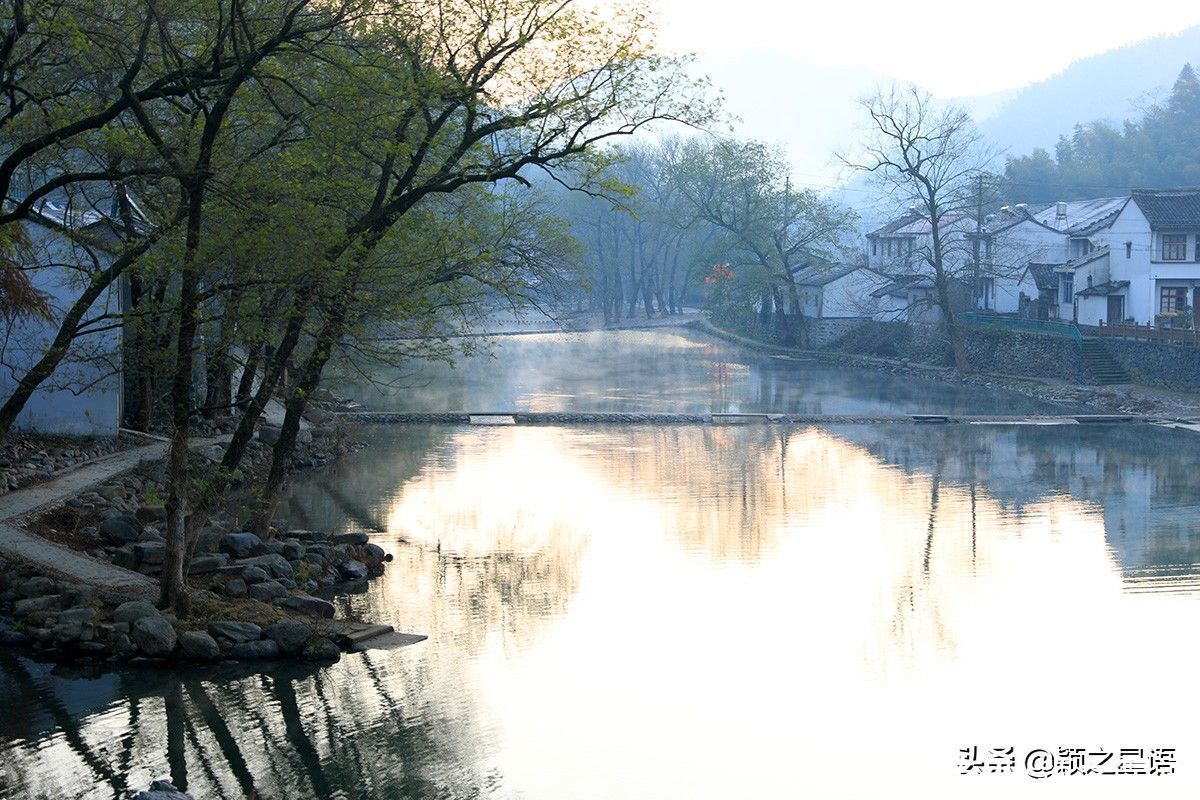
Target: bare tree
[(930, 159)]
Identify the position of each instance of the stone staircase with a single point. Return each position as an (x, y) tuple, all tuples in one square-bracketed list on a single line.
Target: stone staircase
[(1105, 370)]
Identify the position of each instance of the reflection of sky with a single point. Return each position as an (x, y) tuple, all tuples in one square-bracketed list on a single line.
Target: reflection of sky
[(671, 372), (701, 612)]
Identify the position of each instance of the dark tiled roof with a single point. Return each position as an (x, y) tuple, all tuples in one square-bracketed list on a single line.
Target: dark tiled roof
[(1169, 207), (821, 275), (1044, 276), (900, 284), (1095, 255), (1103, 289)]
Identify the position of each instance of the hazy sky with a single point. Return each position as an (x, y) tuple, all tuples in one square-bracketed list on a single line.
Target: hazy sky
[(952, 47)]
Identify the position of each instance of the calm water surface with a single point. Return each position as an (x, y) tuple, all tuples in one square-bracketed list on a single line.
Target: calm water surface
[(669, 371), (694, 612)]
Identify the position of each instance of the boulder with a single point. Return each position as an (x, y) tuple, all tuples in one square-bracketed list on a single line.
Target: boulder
[(151, 553), (78, 595), (151, 514), (323, 650), (292, 551), (307, 604), (133, 610), (36, 586), (125, 557), (308, 536), (65, 632), (266, 591), (352, 571), (355, 538), (276, 565), (31, 605), (121, 529), (304, 436), (239, 545), (199, 646), (264, 648), (269, 434), (209, 539), (235, 588), (204, 564), (154, 636), (162, 790), (290, 634), (235, 632), (253, 575), (77, 615)]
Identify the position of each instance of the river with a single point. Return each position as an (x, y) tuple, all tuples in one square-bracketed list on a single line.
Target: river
[(693, 611)]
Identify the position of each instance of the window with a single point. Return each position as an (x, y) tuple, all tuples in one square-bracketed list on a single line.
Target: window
[(1172, 298), (1129, 250), (874, 247), (1174, 247), (910, 245), (1067, 284)]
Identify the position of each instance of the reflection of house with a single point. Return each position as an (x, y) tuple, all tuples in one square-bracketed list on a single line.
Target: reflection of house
[(841, 292), (83, 397)]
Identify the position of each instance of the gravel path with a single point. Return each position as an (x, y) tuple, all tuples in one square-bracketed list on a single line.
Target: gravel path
[(62, 562)]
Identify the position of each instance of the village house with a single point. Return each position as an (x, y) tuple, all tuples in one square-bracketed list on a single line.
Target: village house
[(843, 291), (66, 244)]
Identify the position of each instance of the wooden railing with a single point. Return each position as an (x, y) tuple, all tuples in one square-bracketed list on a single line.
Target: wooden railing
[(1145, 333)]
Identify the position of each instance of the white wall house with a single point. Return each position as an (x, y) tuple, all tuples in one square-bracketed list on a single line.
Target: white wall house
[(1155, 246), (1019, 236), (843, 292), (83, 397)]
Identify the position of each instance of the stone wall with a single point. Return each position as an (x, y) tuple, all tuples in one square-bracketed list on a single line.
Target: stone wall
[(1035, 355), (1155, 364)]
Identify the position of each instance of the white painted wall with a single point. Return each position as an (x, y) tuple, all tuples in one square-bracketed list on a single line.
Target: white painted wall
[(55, 408)]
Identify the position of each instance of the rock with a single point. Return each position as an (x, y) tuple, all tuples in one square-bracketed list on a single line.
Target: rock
[(154, 636), (323, 650), (235, 632), (97, 649), (13, 639), (352, 571), (235, 588), (36, 586), (209, 539), (355, 538), (253, 575), (125, 557), (121, 529), (77, 615), (276, 565), (151, 553), (290, 634), (269, 434), (307, 604), (134, 610), (162, 790), (78, 595), (264, 648), (199, 646), (152, 514), (30, 605), (292, 551), (304, 436), (239, 545), (67, 632), (308, 536), (267, 591), (202, 565)]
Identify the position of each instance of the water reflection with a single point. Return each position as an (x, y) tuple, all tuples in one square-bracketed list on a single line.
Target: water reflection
[(693, 611), (670, 372)]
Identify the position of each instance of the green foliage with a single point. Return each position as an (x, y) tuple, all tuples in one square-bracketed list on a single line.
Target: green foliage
[(1162, 149)]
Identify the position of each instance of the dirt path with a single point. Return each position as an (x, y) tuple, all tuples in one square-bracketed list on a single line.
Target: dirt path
[(62, 562)]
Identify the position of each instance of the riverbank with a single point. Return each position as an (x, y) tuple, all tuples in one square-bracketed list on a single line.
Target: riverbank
[(80, 556), (1121, 399)]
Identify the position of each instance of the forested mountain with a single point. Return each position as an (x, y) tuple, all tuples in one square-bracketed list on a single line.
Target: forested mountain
[(1160, 148)]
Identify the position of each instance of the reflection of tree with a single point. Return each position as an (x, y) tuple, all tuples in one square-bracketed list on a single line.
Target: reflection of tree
[(344, 732)]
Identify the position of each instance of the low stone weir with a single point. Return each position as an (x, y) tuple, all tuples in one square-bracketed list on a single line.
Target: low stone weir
[(666, 418)]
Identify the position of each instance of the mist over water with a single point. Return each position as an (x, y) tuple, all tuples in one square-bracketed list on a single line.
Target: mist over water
[(690, 611)]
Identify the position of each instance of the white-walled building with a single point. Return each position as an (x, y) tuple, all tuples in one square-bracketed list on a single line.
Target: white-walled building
[(844, 291), (83, 397)]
